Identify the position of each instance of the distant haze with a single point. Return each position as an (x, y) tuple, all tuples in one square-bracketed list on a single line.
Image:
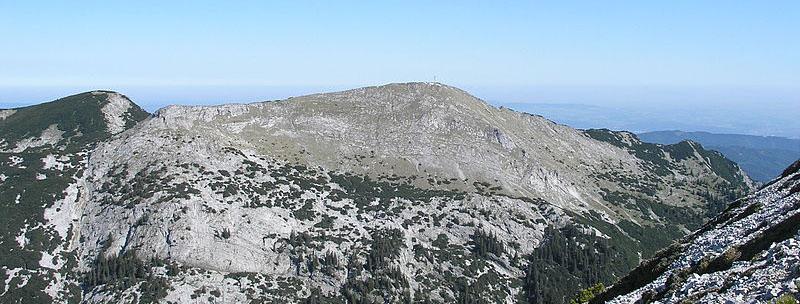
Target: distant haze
[(774, 119), (737, 110), (752, 111)]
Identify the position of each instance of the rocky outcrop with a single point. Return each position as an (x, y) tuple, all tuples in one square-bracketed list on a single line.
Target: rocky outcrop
[(749, 253)]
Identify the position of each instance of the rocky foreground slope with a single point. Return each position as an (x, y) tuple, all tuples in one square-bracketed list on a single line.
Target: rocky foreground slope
[(749, 253), (404, 192)]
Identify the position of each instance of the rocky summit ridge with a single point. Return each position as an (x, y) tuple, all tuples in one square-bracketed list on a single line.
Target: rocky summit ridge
[(402, 192)]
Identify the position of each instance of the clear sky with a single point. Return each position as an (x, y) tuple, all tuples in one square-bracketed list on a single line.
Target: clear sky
[(715, 52), (696, 43)]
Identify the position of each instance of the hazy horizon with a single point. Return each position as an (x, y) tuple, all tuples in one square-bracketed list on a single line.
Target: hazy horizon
[(751, 111)]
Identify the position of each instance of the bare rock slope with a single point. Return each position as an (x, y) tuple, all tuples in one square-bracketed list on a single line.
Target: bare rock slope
[(748, 254), (403, 192)]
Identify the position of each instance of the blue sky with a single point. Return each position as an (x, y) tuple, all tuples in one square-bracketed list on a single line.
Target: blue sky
[(302, 43), (595, 52)]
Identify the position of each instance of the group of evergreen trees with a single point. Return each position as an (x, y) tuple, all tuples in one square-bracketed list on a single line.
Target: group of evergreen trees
[(385, 281), (566, 261), (328, 264), (485, 243), (118, 273), (386, 244), (125, 270), (467, 293)]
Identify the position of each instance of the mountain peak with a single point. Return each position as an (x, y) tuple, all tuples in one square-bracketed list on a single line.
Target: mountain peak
[(71, 121), (423, 93), (115, 109), (417, 129), (415, 85)]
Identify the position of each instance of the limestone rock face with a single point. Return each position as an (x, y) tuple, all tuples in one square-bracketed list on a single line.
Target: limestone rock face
[(749, 253), (413, 191), (429, 129)]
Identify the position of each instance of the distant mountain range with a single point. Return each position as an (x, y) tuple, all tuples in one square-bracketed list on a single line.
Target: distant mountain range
[(649, 117), (762, 157)]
